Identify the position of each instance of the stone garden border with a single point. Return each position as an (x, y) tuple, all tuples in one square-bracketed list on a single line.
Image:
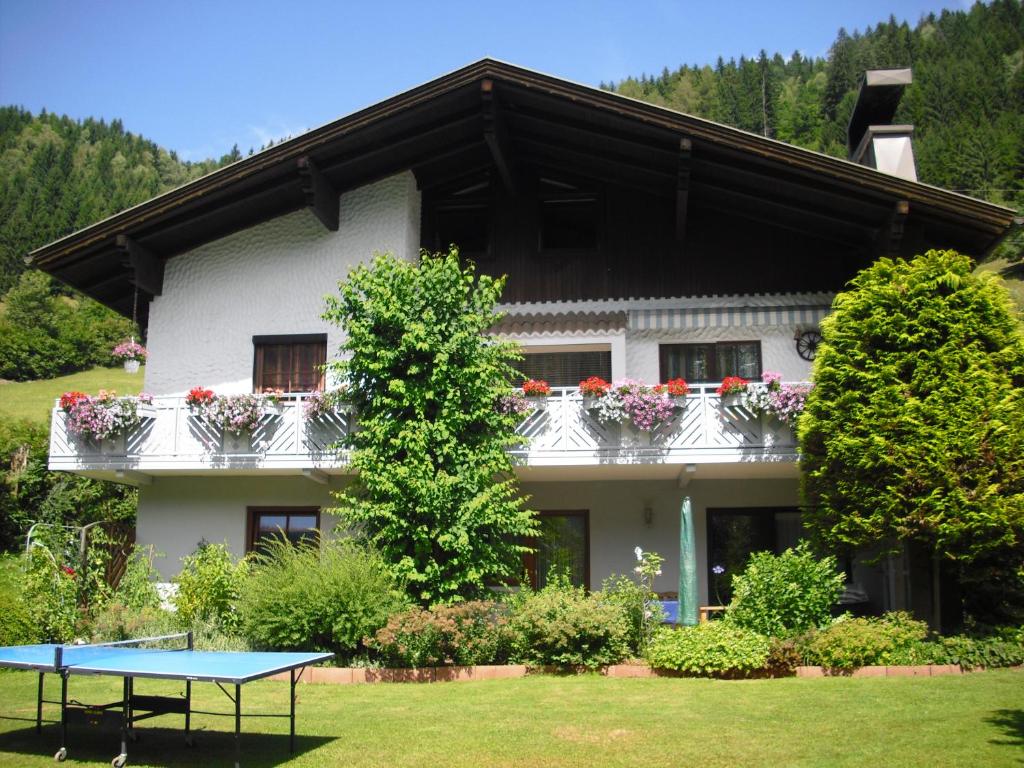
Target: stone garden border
[(359, 675)]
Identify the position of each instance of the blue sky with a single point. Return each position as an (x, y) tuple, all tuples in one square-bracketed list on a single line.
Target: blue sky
[(198, 77)]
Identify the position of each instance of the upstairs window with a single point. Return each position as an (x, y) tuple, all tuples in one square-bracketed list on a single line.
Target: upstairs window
[(711, 362), (569, 217), (463, 218), (565, 369), (289, 363)]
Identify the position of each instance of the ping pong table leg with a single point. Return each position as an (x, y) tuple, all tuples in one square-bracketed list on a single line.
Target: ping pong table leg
[(238, 725), (188, 713), (39, 706), (291, 732), (126, 724), (62, 753)]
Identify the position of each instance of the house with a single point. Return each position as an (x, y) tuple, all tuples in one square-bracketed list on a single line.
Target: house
[(638, 242)]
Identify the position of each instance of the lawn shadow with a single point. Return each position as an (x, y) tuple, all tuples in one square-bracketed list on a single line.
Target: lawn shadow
[(1011, 722), (1013, 271), (160, 746)]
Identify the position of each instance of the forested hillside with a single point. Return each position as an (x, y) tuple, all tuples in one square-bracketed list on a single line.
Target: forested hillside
[(966, 102)]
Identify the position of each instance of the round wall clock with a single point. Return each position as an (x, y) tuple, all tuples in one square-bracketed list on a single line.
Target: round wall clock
[(807, 344)]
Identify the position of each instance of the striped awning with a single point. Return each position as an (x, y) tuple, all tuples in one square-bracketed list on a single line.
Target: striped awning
[(725, 317)]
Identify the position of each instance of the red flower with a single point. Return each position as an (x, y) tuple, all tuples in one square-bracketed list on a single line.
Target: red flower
[(674, 387), (732, 385), (68, 570), (594, 386), (536, 388), (69, 399), (199, 396)]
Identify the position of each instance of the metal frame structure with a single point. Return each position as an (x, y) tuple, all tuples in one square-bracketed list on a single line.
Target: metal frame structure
[(120, 659)]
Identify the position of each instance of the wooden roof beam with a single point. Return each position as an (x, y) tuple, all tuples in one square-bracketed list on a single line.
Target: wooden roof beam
[(891, 234), (321, 197), (496, 136), (683, 186), (147, 269)]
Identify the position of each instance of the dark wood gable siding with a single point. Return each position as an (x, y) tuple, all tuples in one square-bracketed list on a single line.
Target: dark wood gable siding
[(637, 254)]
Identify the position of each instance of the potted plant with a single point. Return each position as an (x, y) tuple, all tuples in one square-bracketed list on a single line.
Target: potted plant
[(731, 390), (777, 400), (536, 388), (320, 404), (235, 416), (593, 388), (104, 419), (677, 389), (131, 353)]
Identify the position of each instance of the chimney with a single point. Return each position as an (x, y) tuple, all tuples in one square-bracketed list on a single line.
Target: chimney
[(871, 140)]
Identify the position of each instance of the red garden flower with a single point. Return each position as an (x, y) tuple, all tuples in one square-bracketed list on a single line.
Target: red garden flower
[(199, 396), (68, 570), (674, 387), (536, 388), (595, 386), (69, 399), (732, 385)]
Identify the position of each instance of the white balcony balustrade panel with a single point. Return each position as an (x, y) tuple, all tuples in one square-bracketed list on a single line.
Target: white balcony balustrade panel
[(560, 430)]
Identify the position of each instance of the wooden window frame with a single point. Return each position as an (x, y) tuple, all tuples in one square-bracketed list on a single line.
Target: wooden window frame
[(664, 349), (284, 339), (252, 530), (530, 559)]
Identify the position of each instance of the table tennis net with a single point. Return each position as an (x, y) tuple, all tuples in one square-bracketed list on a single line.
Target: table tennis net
[(79, 655)]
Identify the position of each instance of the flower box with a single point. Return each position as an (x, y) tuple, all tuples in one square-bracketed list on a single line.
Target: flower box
[(732, 401), (236, 445)]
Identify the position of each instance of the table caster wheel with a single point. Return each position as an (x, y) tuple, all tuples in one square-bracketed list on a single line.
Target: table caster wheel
[(119, 761), (62, 755)]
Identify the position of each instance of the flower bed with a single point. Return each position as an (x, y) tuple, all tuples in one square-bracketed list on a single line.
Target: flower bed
[(643, 406), (103, 416)]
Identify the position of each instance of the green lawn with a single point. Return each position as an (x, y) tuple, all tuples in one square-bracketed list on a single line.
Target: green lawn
[(975, 719), (34, 399)]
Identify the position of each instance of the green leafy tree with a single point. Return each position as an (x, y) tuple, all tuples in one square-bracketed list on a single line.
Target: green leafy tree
[(915, 428), (435, 489)]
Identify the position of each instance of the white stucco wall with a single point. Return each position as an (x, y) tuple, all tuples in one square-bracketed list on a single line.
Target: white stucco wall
[(778, 349), (268, 279), (175, 513), (617, 524)]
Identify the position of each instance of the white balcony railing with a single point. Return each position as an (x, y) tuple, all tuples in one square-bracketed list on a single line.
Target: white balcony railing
[(560, 431)]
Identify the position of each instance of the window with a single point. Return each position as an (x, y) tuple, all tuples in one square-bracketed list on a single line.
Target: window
[(462, 217), (289, 363), (297, 524), (735, 534), (711, 362), (565, 369), (563, 544), (569, 217)]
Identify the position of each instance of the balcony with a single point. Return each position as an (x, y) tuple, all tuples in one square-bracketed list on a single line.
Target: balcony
[(561, 432)]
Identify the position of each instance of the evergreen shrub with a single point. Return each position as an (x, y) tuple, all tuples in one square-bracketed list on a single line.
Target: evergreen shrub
[(713, 648), (308, 597)]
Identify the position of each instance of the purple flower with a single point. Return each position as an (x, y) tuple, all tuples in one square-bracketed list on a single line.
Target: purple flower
[(718, 570)]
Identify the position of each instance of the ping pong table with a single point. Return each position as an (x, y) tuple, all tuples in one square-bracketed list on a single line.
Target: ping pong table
[(127, 661)]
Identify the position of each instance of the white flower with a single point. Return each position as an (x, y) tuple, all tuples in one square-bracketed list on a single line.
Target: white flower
[(638, 569), (647, 614), (657, 572), (639, 553)]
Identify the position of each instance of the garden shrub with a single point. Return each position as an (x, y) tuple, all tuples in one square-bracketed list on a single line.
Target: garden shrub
[(785, 594), (850, 643), (119, 621), (51, 593), (714, 648), (561, 625), (16, 624), (469, 633), (137, 588), (208, 587), (637, 600), (978, 653), (308, 597)]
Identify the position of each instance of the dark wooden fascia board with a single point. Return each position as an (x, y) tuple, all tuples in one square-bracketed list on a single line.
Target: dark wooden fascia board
[(982, 214)]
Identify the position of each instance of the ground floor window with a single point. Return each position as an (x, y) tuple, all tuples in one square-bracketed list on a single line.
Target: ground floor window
[(563, 545), (735, 534), (297, 524)]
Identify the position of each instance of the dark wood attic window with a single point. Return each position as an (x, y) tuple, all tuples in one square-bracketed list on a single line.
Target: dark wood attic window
[(462, 217), (569, 217)]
